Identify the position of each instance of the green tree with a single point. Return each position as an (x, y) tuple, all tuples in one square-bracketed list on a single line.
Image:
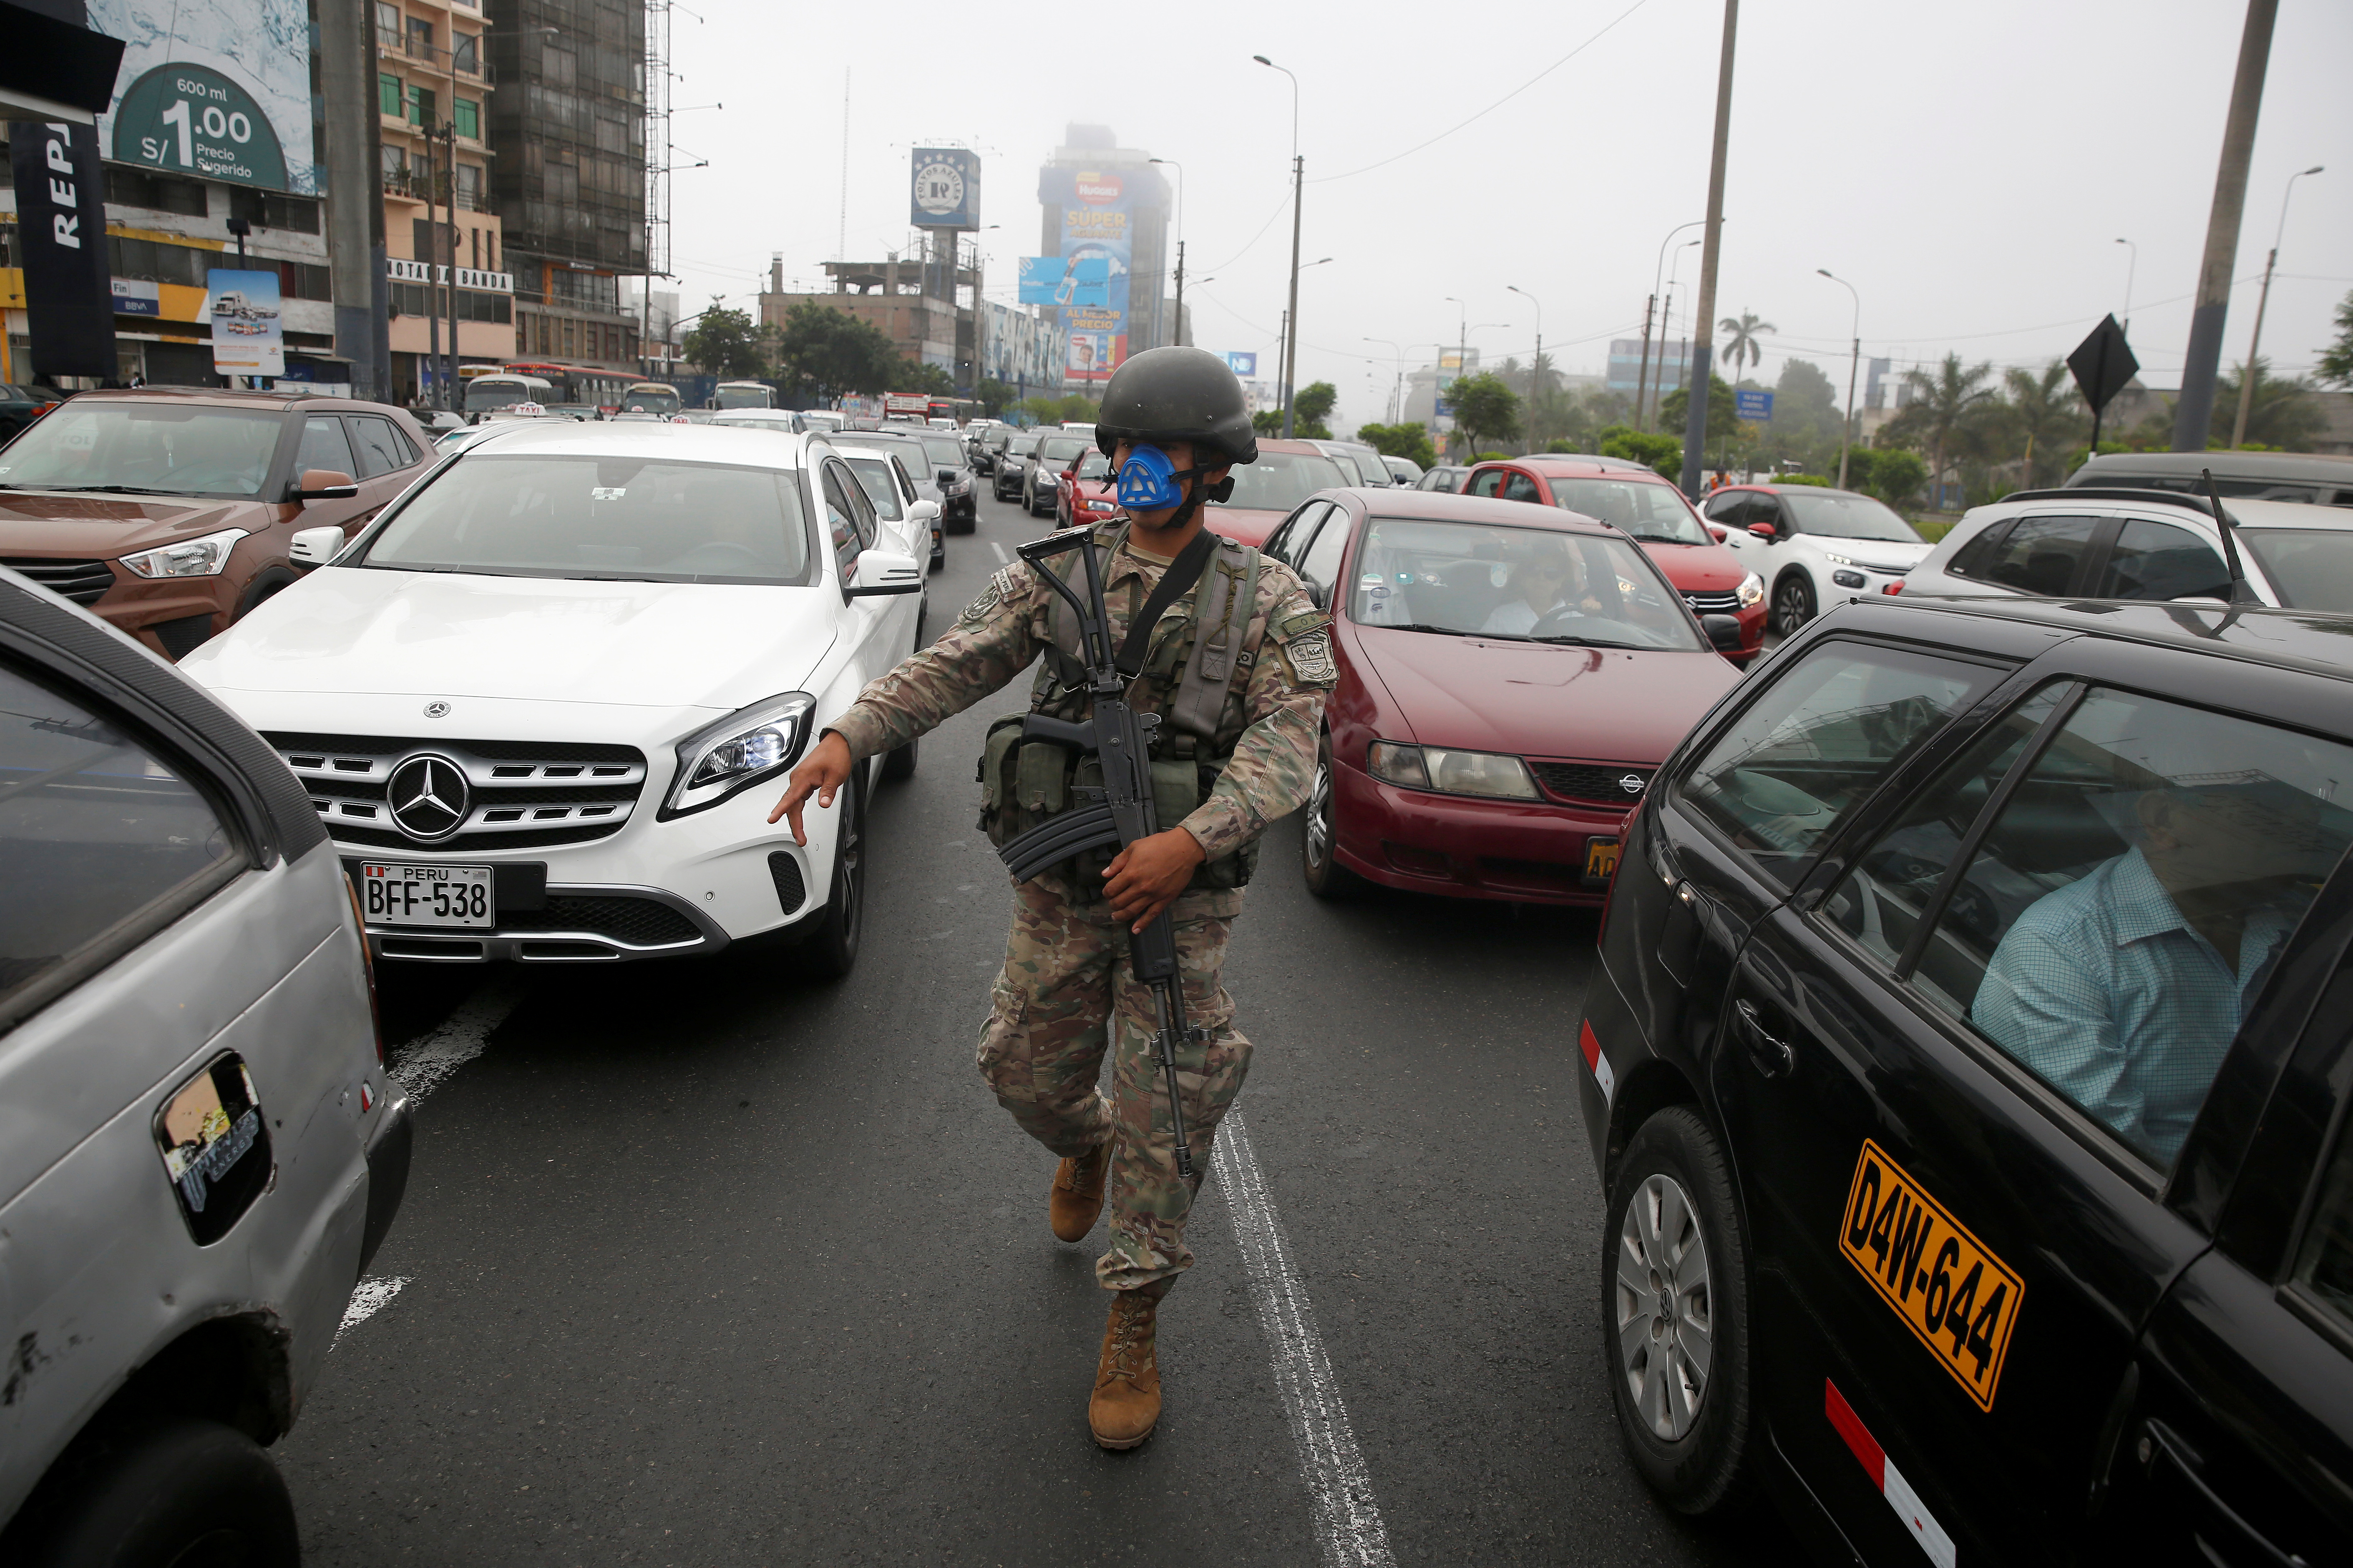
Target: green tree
[(1740, 342), (726, 344), (1410, 442), (1664, 453), (908, 375), (994, 397), (2046, 413), (1485, 408), (2335, 368), (1804, 428), (1940, 405), (1675, 407), (1890, 473), (2284, 417), (828, 353)]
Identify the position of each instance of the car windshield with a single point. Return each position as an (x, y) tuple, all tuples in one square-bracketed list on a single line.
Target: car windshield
[(486, 395), (581, 516), (1094, 466), (1057, 451), (156, 448), (1846, 517), (944, 452), (1654, 514), (881, 484), (1279, 482), (1525, 584), (1022, 446), (2312, 568), (745, 397), (651, 399)]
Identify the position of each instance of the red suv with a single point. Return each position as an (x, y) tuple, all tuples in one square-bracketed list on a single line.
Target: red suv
[(1653, 512)]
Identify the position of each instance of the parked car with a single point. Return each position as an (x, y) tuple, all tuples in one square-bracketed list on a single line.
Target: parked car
[(1402, 470), (782, 421), (1962, 1191), (1359, 464), (1041, 476), (818, 421), (1814, 547), (1510, 677), (2310, 478), (20, 405), (203, 1150), (2124, 543), (1267, 491), (1652, 513), (1087, 493), (989, 445), (898, 504), (568, 673), (1005, 479), (170, 512), (1445, 479), (938, 463)]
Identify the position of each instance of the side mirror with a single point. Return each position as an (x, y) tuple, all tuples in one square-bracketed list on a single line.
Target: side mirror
[(325, 484), (1765, 531), (945, 476), (883, 572), (1718, 533), (315, 546), (925, 511), (1320, 594), (1723, 632)]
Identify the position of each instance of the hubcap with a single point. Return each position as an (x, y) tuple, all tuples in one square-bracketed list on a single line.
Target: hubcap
[(1793, 606), (1665, 1316), (1319, 815)]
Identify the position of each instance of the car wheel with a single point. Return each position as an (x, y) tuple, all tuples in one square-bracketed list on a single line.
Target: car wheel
[(900, 763), (182, 1492), (831, 950), (1793, 603), (1319, 865), (1674, 1315)]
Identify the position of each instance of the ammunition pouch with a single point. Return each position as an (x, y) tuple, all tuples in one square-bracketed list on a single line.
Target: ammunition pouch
[(1025, 782)]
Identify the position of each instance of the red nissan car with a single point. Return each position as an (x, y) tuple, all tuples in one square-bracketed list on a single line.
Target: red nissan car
[(1510, 679), (1713, 580)]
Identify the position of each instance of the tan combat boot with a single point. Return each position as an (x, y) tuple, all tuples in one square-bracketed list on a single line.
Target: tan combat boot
[(1077, 1198), (1126, 1402)]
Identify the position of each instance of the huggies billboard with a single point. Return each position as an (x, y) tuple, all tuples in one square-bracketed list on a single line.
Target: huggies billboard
[(1097, 226)]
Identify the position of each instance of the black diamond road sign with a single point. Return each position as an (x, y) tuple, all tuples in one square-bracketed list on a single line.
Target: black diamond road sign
[(2102, 364)]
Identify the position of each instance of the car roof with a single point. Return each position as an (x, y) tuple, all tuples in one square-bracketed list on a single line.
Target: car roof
[(1300, 446), (1581, 464), (651, 438), (2322, 467), (2307, 640), (223, 397), (1801, 489), (1442, 506)]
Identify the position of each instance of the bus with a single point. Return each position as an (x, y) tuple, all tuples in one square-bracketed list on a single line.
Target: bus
[(584, 385), (504, 389), (651, 397), (744, 395)]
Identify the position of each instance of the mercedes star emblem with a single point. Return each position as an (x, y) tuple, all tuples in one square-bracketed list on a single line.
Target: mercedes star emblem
[(427, 797), (437, 710), (1632, 783)]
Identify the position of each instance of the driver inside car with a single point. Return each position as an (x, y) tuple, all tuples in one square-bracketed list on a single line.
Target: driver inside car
[(1549, 584)]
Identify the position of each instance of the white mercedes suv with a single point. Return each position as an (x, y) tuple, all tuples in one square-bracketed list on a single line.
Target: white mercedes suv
[(545, 701)]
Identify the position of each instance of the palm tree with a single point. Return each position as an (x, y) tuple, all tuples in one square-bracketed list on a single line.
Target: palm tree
[(2046, 409), (1940, 404), (2284, 416), (1740, 340)]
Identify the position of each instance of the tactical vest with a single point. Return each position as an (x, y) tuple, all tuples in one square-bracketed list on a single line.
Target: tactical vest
[(1025, 782)]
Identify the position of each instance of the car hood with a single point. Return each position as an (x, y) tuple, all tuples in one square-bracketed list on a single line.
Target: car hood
[(1243, 524), (52, 523), (1898, 553), (1543, 700), (351, 630), (1698, 568)]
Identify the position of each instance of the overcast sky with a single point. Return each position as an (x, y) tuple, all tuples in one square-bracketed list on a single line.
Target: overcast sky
[(1967, 168)]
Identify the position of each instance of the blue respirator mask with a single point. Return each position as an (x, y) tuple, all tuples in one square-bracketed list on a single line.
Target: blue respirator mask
[(1147, 480)]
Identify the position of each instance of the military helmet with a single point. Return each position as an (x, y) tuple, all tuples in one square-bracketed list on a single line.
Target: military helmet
[(1173, 394)]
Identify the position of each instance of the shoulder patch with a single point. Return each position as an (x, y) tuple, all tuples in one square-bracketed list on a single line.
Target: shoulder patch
[(999, 587), (1310, 657), (1292, 627)]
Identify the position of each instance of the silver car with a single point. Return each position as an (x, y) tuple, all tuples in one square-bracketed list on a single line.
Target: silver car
[(199, 1148)]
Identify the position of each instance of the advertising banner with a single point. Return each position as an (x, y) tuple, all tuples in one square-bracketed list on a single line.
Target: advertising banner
[(1097, 227), (248, 332), (1059, 280), (946, 192), (61, 239), (1244, 365), (219, 89)]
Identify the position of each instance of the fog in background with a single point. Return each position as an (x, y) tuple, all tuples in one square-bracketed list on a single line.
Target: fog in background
[(1969, 168)]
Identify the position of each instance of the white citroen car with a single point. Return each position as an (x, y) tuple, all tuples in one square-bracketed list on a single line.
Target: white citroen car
[(545, 701)]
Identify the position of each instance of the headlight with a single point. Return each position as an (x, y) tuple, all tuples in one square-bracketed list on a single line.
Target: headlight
[(1452, 772), (748, 745), (1752, 591), (1102, 506), (189, 558), (958, 487), (1839, 559)]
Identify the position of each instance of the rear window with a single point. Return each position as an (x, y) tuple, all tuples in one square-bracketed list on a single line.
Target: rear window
[(145, 448), (1279, 482), (1654, 514), (945, 453), (611, 519), (2311, 568), (1059, 450)]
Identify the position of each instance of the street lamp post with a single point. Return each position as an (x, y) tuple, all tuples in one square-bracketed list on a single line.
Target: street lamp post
[(1666, 333), (1854, 362), (2132, 265), (1180, 242), (1397, 359), (1536, 371), (2247, 374), (1298, 190), (1643, 381)]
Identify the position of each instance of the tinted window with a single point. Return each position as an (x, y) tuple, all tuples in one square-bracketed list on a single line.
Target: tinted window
[(1517, 486), (589, 517), (2159, 560), (1976, 558), (324, 445), (879, 483), (2040, 555), (170, 449), (1485, 482), (94, 829), (2323, 1264), (2126, 907), (944, 452), (1297, 532), (1656, 514), (1725, 508), (2311, 569), (1321, 564), (1056, 451), (1845, 516), (1816, 742), (381, 449), (1514, 583)]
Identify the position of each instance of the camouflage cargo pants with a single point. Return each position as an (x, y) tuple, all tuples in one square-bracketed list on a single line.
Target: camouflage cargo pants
[(1066, 972)]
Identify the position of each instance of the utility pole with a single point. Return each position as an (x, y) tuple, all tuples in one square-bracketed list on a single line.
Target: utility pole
[(1181, 291), (1535, 371), (1855, 363), (2263, 302), (432, 259), (346, 78), (1291, 336), (1704, 323), (1643, 381), (2193, 413)]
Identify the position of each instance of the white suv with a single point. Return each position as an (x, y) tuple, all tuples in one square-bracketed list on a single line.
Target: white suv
[(1814, 547), (544, 703)]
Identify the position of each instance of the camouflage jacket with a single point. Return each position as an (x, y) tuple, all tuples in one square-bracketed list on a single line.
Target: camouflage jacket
[(1273, 712)]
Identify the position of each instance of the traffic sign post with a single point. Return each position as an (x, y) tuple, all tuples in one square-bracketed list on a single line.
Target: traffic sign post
[(2102, 364), (1752, 407)]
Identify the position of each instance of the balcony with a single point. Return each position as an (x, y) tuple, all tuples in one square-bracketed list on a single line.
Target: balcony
[(412, 183), (466, 65)]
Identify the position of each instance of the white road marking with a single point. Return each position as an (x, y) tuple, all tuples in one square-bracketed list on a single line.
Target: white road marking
[(1002, 558), (1347, 1520), (371, 1298), (431, 1058)]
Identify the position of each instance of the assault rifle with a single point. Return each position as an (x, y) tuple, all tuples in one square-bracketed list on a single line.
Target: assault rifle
[(1121, 811)]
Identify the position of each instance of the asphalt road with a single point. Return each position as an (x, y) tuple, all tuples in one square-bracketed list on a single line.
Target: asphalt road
[(703, 1265)]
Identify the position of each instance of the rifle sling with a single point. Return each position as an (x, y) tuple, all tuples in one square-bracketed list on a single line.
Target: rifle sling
[(1175, 583)]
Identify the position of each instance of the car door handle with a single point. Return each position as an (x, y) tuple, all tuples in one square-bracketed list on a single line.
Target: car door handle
[(1773, 1056)]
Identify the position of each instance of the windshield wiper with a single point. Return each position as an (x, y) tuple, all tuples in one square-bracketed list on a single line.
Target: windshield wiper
[(1571, 641), (112, 490), (1425, 627)]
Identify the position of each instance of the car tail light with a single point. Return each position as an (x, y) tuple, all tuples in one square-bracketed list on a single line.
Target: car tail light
[(1895, 588)]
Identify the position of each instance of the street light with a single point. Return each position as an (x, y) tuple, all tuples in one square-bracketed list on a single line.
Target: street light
[(1643, 381), (1397, 358), (1853, 361), (2132, 263), (1286, 350), (1666, 326), (1180, 241), (2247, 374), (1298, 189), (1536, 371)]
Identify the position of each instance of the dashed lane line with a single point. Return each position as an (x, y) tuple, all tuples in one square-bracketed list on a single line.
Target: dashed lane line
[(1002, 558), (430, 1059), (1348, 1529), (370, 1298)]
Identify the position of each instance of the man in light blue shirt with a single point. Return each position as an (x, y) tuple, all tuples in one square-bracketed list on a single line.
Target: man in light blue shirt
[(2124, 990)]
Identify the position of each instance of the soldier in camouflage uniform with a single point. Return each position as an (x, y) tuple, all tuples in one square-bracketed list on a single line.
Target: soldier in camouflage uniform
[(1066, 994)]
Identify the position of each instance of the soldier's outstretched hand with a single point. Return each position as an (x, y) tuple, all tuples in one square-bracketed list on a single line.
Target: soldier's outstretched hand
[(1148, 875), (823, 770)]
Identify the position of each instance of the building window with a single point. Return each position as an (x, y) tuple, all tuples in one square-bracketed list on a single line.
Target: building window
[(265, 209), (160, 193), (421, 106), (387, 94), (387, 27), (469, 117), (395, 167), (420, 37), (465, 54)]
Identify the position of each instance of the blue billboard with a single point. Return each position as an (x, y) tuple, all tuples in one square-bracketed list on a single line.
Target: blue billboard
[(1244, 365), (945, 189), (1098, 227), (1065, 280)]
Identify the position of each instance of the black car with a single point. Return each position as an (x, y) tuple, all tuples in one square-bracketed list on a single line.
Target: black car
[(20, 405), (1448, 478), (1005, 479), (1968, 1069), (942, 471)]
